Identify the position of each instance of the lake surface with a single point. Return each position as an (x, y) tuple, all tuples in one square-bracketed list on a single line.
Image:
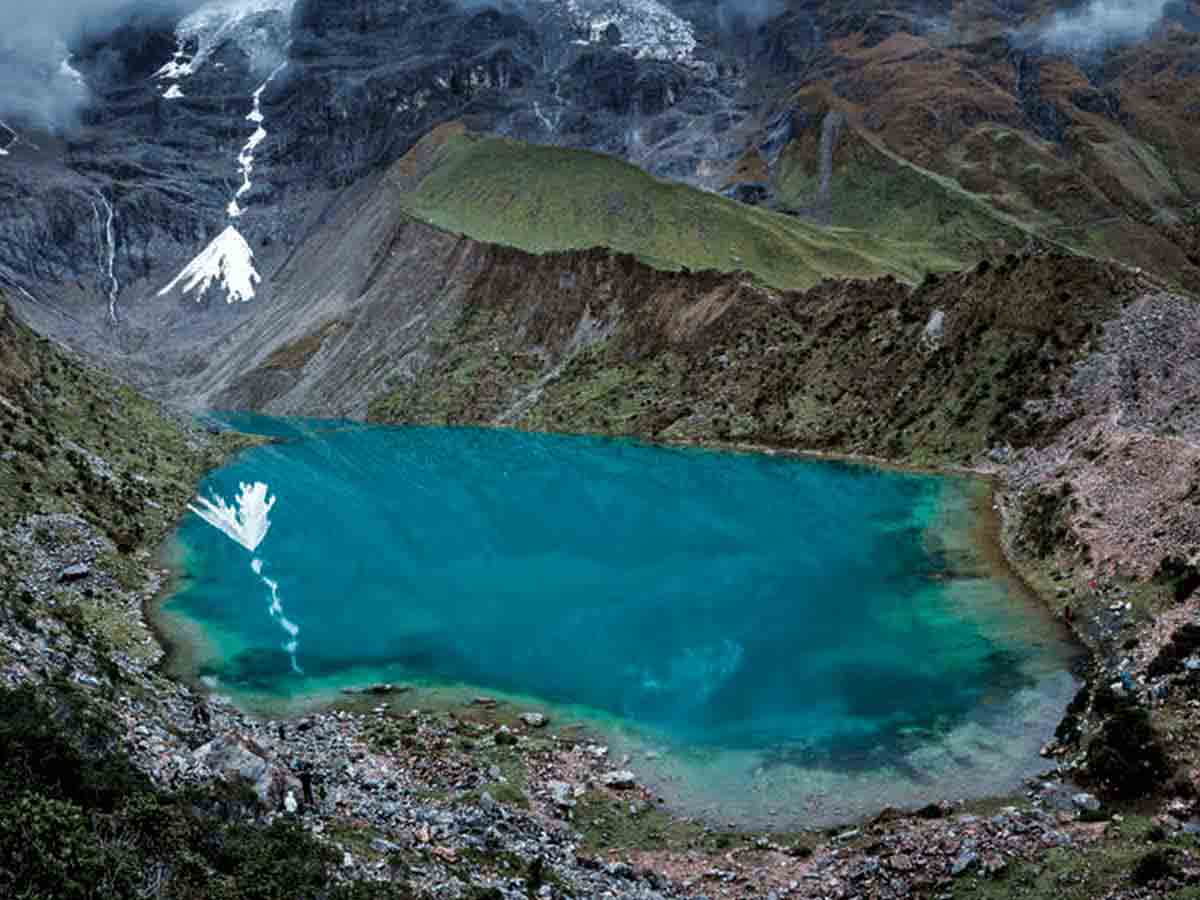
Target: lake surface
[(771, 639)]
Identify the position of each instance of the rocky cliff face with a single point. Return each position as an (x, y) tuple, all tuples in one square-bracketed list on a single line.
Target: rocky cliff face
[(213, 146), (170, 136)]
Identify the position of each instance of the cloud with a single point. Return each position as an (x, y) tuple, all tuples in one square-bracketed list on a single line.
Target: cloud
[(38, 89), (1100, 23), (746, 13)]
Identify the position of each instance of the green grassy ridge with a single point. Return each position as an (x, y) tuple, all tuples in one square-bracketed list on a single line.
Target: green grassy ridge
[(544, 199)]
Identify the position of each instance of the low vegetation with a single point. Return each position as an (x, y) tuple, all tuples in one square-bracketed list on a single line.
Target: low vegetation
[(1133, 854), (73, 440), (79, 822)]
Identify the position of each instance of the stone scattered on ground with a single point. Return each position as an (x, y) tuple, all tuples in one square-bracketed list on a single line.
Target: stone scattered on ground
[(381, 689), (440, 797), (74, 573), (621, 780)]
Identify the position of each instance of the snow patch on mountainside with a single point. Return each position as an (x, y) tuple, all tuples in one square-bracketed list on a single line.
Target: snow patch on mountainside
[(68, 71), (206, 29), (648, 29), (227, 262)]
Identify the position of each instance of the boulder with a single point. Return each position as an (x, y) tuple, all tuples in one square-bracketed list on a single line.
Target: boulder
[(561, 794), (234, 758), (381, 689), (387, 689), (1054, 795), (504, 737), (621, 780), (966, 860), (74, 573), (1085, 802)]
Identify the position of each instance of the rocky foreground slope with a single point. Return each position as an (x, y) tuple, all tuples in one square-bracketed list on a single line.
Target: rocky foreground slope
[(1084, 410)]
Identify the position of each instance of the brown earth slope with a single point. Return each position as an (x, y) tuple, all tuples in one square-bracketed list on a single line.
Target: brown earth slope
[(948, 125)]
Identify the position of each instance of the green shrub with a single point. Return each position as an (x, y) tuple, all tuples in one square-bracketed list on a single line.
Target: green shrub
[(281, 860), (1159, 863), (52, 852), (79, 822), (64, 748), (1125, 760)]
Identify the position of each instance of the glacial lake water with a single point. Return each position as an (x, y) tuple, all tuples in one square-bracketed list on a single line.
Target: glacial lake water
[(769, 640)]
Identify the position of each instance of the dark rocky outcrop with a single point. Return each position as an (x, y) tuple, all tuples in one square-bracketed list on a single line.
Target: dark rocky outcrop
[(1126, 759), (1184, 644)]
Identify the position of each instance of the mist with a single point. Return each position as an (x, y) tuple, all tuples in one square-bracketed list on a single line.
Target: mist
[(746, 14), (1101, 23), (38, 88)]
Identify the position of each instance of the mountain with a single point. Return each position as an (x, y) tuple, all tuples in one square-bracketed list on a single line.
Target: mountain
[(851, 139), (955, 234)]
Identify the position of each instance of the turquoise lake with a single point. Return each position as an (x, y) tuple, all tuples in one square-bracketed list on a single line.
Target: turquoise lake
[(767, 638)]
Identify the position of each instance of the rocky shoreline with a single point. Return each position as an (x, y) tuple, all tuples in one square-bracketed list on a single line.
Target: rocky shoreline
[(480, 803), (441, 794), (432, 787)]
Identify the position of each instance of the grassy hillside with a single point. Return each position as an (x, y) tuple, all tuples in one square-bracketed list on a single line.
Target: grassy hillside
[(873, 191), (74, 441), (843, 367), (543, 199), (949, 136)]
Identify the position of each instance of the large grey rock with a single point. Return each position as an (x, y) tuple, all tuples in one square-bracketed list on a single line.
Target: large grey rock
[(965, 860), (935, 329), (1085, 802), (561, 794), (621, 780), (1056, 796), (235, 758), (77, 572)]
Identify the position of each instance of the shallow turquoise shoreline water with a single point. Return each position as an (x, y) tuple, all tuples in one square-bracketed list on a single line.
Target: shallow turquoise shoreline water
[(788, 637)]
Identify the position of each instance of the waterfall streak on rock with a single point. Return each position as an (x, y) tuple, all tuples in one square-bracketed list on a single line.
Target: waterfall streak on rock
[(106, 251), (246, 157)]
